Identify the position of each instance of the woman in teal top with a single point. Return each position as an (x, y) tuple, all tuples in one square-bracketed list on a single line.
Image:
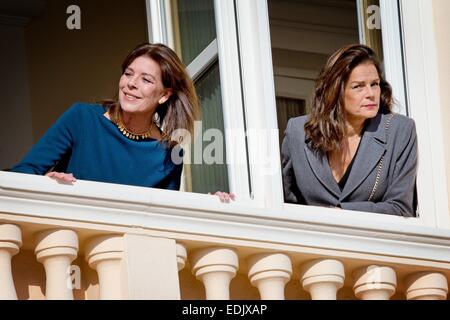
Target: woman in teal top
[(134, 140)]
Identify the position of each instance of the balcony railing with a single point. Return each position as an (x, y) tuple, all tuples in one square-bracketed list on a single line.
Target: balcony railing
[(103, 241)]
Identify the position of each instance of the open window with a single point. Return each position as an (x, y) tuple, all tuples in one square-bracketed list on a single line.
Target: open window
[(56, 53)]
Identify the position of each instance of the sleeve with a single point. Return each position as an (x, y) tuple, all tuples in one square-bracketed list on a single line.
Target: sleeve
[(175, 178), (173, 181), (400, 195), (289, 183), (54, 144)]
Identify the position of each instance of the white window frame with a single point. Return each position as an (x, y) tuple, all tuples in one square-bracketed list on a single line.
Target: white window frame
[(425, 108), (418, 43), (203, 61), (392, 49), (232, 103), (224, 47), (160, 25), (393, 53), (413, 68)]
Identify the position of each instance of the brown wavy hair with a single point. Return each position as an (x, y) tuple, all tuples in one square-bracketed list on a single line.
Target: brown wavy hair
[(326, 124), (182, 108)]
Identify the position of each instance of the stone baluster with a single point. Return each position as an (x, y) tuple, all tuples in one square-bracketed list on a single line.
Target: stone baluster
[(269, 273), (181, 256), (56, 249), (215, 267), (10, 242), (426, 286), (375, 283), (105, 255), (322, 278)]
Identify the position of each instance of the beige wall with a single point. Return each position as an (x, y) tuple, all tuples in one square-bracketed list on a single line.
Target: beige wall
[(66, 66), (442, 27)]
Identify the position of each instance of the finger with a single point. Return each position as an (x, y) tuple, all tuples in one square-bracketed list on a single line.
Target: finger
[(225, 197), (70, 177), (61, 176), (232, 196)]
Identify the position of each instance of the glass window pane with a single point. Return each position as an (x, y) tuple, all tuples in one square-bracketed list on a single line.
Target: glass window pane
[(196, 26), (211, 175), (304, 34)]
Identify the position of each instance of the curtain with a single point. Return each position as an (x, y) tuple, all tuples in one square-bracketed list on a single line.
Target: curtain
[(288, 108)]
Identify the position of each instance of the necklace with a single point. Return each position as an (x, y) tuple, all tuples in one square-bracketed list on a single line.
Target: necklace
[(133, 135)]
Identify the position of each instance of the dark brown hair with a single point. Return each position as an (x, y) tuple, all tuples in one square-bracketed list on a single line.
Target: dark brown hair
[(182, 108), (326, 125)]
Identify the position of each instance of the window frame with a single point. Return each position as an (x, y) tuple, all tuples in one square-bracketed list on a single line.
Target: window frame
[(224, 48), (425, 108), (392, 49), (407, 46)]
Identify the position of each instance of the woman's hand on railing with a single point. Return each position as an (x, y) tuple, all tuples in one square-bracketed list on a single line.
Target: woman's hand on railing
[(61, 177), (225, 197)]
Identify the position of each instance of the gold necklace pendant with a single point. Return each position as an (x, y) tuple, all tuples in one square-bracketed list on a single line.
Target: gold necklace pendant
[(131, 135)]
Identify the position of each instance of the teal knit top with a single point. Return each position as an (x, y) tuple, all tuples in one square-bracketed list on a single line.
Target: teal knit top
[(87, 144)]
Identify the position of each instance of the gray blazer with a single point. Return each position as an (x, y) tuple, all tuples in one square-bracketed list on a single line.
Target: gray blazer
[(307, 176)]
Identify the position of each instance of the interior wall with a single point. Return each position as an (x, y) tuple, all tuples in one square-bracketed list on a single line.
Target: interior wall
[(66, 66), (303, 35), (16, 135)]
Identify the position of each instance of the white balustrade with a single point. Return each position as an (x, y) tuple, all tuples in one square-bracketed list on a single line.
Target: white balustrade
[(10, 242), (56, 249), (105, 255), (426, 286), (322, 278), (375, 283), (269, 273), (215, 267)]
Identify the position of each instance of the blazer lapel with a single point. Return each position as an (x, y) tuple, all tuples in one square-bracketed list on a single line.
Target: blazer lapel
[(372, 148), (321, 169)]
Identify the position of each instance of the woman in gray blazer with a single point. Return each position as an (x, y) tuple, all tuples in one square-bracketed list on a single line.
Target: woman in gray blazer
[(351, 151)]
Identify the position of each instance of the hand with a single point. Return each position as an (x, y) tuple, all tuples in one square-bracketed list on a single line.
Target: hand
[(225, 197), (61, 177)]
